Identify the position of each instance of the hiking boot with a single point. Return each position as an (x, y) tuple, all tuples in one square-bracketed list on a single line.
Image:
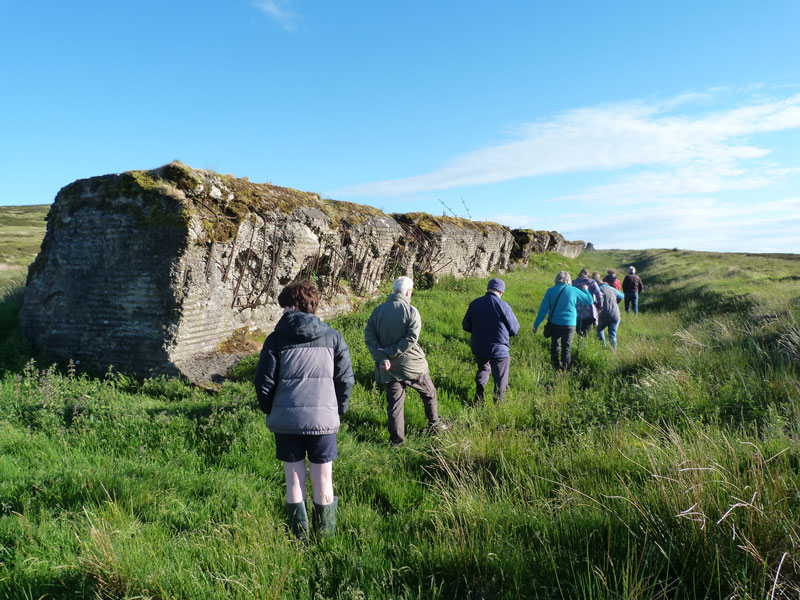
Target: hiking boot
[(324, 518), (478, 399), (439, 426), (298, 519)]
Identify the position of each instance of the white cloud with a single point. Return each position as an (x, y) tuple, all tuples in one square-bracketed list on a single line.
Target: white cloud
[(281, 11), (695, 223), (663, 185), (691, 153)]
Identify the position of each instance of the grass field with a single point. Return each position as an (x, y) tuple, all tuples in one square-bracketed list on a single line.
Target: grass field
[(667, 469), (21, 233)]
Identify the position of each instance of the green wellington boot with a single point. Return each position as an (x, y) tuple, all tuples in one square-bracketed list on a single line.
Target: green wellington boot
[(298, 519), (325, 518)]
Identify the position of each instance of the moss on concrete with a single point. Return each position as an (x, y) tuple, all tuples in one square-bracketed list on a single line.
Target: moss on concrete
[(242, 341), (144, 195), (220, 217), (431, 224), (175, 194), (348, 213)]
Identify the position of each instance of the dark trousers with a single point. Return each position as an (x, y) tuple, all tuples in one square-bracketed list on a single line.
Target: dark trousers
[(584, 326), (395, 404), (632, 301), (499, 368), (561, 343)]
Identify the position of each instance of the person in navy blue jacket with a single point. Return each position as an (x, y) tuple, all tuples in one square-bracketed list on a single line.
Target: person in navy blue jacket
[(491, 322)]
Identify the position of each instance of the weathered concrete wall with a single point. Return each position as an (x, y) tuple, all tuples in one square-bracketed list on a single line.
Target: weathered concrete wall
[(527, 242), (103, 289), (561, 246), (442, 246), (149, 271)]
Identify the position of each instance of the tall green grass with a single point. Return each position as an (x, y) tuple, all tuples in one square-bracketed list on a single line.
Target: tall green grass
[(666, 469)]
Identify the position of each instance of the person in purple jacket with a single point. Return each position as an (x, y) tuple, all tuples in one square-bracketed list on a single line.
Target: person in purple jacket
[(587, 314), (491, 322)]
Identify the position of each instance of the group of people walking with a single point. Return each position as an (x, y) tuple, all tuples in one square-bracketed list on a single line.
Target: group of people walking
[(305, 377), (587, 301)]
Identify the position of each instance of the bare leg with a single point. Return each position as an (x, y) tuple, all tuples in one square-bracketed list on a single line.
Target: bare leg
[(322, 482), (295, 481)]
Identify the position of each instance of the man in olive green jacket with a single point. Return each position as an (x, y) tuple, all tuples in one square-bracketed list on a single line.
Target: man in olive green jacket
[(392, 337)]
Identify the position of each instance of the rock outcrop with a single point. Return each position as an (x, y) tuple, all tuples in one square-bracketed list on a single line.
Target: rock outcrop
[(151, 271)]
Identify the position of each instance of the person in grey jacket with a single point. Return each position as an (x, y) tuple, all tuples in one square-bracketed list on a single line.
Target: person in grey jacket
[(303, 382), (609, 314), (392, 338)]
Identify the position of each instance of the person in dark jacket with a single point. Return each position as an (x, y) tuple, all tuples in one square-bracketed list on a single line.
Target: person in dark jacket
[(632, 286), (303, 382), (560, 303), (491, 322)]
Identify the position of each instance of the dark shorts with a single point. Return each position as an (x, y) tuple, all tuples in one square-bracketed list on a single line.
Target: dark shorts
[(292, 448)]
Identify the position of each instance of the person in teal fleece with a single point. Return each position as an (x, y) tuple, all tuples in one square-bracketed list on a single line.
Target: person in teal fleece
[(560, 301)]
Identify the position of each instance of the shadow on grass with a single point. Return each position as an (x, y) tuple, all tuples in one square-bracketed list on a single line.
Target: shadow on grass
[(69, 584), (15, 350)]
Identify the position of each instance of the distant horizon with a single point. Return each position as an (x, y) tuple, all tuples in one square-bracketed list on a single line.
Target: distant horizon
[(609, 249)]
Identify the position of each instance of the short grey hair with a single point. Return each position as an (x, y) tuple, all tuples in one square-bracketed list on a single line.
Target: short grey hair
[(402, 284), (563, 277), (631, 269)]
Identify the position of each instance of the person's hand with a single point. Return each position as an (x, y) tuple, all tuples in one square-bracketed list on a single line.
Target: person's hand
[(385, 365), (584, 287)]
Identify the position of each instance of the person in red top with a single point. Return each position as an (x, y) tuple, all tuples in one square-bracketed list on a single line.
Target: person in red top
[(611, 279)]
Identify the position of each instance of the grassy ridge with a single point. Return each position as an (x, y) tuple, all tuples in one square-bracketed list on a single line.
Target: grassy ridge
[(21, 232), (666, 469)]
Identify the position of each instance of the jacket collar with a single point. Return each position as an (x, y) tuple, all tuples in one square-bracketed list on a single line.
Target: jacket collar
[(395, 296)]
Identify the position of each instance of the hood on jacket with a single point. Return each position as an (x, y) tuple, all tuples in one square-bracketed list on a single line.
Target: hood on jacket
[(300, 326)]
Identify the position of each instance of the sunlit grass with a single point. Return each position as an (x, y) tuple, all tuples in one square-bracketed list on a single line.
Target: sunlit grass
[(665, 469)]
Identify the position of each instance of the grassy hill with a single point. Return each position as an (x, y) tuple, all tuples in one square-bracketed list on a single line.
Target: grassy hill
[(666, 469), (21, 232)]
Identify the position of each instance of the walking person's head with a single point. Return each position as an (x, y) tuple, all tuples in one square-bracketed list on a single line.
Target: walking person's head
[(596, 276), (584, 273), (496, 285), (403, 286), (612, 272), (563, 277), (302, 296), (631, 270)]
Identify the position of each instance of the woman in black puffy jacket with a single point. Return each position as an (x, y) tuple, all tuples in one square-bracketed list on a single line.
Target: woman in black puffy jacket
[(303, 382)]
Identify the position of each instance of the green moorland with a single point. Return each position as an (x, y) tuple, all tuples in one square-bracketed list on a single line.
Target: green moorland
[(667, 469), (21, 232)]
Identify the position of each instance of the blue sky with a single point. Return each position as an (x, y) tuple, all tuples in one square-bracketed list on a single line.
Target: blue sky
[(626, 124)]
